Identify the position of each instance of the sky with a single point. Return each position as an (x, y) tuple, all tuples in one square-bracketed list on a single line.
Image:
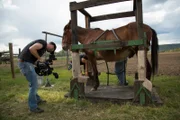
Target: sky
[(22, 21)]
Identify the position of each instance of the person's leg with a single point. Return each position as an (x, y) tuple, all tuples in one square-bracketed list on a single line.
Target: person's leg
[(32, 78), (28, 71), (120, 71)]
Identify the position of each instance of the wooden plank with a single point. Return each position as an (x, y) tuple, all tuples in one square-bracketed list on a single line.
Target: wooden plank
[(11, 59), (141, 51), (85, 12), (113, 16), (92, 3), (87, 22), (74, 26), (75, 64), (134, 5), (107, 45), (75, 53), (49, 33)]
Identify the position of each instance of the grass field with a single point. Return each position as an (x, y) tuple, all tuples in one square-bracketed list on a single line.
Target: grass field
[(14, 94)]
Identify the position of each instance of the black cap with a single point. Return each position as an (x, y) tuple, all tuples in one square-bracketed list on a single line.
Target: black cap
[(52, 43)]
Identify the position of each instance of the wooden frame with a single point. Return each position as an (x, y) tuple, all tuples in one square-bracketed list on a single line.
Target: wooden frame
[(137, 12)]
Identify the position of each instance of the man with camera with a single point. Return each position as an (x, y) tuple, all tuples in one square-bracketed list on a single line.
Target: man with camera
[(30, 56)]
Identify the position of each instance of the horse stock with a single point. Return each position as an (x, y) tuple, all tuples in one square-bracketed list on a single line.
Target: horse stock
[(124, 33)]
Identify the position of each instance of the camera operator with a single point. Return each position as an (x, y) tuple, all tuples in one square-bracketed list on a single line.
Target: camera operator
[(30, 56)]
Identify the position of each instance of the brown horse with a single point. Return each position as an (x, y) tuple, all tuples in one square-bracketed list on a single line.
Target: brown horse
[(124, 33)]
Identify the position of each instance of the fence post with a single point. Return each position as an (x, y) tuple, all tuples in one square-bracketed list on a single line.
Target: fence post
[(19, 50), (11, 59)]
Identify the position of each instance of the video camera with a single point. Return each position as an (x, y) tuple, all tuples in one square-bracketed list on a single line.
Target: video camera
[(44, 69)]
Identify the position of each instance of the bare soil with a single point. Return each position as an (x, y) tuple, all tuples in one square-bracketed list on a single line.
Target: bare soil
[(169, 64)]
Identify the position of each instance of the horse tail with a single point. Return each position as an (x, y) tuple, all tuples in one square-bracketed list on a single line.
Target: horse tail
[(154, 52)]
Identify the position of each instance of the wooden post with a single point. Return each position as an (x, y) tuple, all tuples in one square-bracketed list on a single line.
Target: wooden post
[(142, 54), (75, 54), (141, 51), (11, 59), (87, 22), (19, 50)]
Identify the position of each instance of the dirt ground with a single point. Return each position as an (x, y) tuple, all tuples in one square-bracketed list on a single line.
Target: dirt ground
[(169, 64)]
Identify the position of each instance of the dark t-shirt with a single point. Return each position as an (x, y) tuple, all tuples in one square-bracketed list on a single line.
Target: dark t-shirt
[(26, 55)]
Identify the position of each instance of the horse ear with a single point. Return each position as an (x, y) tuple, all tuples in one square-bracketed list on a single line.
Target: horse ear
[(68, 26), (69, 22)]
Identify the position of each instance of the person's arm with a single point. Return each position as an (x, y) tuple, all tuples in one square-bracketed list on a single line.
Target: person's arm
[(34, 48), (86, 63)]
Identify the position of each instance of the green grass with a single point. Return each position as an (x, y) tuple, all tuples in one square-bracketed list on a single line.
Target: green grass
[(14, 95)]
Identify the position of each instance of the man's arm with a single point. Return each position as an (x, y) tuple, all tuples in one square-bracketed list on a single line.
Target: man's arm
[(34, 48)]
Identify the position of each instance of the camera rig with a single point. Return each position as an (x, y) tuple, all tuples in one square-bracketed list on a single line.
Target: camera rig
[(44, 69)]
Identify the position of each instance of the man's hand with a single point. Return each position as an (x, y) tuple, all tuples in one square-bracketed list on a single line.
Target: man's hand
[(41, 59)]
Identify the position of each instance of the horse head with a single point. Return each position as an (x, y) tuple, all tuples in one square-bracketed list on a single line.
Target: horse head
[(66, 40)]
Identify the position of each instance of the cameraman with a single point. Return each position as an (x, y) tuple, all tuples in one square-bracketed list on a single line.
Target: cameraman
[(29, 56)]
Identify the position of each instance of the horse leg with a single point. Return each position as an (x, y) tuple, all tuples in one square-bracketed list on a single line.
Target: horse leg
[(148, 69), (96, 79)]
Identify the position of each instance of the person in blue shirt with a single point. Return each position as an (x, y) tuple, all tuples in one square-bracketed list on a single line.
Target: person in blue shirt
[(120, 70)]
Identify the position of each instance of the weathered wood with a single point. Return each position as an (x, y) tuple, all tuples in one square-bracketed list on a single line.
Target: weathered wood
[(85, 12), (134, 5), (82, 79), (75, 53), (92, 3), (141, 65), (11, 59), (45, 32), (113, 16), (74, 26), (87, 22), (73, 84), (75, 64), (141, 51)]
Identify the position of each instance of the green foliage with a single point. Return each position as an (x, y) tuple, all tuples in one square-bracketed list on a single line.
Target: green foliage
[(14, 95)]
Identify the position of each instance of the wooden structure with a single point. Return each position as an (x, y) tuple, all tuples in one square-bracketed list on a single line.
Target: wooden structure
[(53, 34), (137, 12)]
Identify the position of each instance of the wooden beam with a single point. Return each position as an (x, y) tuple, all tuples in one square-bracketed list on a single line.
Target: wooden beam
[(84, 12), (134, 5), (87, 22), (141, 52), (92, 3), (113, 16), (75, 53), (74, 26), (107, 45), (49, 33)]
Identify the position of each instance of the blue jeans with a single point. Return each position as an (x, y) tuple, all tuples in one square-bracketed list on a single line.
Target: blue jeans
[(27, 69), (120, 70)]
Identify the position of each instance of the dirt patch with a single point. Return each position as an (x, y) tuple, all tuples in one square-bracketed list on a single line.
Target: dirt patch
[(169, 64)]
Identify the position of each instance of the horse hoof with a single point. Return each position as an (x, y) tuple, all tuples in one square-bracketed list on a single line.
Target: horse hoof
[(93, 89)]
